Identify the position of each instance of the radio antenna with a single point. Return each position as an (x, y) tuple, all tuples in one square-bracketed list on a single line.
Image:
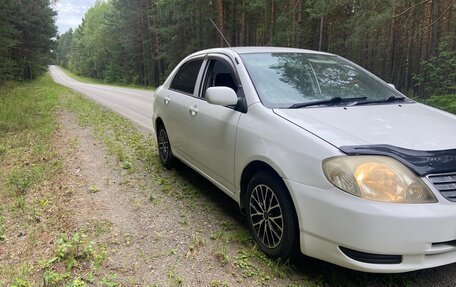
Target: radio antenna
[(220, 32)]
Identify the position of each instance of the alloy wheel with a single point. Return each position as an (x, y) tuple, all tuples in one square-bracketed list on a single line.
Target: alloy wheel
[(266, 216), (163, 145)]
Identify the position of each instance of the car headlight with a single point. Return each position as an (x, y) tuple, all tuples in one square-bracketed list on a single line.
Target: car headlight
[(378, 178)]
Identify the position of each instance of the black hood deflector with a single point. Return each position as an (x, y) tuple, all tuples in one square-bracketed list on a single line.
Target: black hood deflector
[(421, 162)]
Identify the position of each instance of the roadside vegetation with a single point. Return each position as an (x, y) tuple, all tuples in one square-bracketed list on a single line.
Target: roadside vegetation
[(103, 82), (444, 102), (38, 243)]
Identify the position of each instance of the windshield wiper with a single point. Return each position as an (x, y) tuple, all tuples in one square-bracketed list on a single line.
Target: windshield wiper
[(391, 99), (332, 101)]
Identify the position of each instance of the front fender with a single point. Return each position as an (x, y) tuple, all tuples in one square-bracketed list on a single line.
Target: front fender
[(291, 151)]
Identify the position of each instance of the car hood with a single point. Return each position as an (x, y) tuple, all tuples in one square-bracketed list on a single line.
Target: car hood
[(411, 126)]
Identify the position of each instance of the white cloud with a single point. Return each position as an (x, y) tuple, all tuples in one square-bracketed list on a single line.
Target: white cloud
[(70, 13)]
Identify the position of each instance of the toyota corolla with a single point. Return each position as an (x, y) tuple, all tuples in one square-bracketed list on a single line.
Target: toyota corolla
[(322, 156)]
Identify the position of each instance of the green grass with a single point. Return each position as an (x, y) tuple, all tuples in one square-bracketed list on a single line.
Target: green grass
[(27, 122), (32, 194), (124, 141), (102, 82), (28, 108), (443, 102)]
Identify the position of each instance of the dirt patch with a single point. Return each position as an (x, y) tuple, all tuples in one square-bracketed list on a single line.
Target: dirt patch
[(152, 236)]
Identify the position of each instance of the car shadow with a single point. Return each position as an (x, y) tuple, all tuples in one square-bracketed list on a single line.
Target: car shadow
[(320, 272), (210, 192)]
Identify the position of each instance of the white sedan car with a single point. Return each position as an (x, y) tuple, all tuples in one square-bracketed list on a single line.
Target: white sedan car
[(321, 155)]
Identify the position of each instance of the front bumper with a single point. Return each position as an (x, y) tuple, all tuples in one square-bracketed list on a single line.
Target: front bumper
[(424, 235)]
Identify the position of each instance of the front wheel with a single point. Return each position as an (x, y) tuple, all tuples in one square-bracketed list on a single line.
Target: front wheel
[(164, 147), (271, 215)]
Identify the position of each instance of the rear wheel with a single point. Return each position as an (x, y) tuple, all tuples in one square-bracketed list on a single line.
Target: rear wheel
[(271, 215), (164, 147)]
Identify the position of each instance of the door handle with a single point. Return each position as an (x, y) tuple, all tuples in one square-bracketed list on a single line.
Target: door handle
[(193, 110), (167, 99)]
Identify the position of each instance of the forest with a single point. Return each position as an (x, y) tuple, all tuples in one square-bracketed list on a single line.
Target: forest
[(27, 33), (410, 43)]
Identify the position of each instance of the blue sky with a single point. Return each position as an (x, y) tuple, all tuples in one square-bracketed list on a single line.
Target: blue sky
[(71, 12)]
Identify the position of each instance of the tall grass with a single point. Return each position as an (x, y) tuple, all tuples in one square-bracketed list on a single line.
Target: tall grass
[(27, 107), (32, 189)]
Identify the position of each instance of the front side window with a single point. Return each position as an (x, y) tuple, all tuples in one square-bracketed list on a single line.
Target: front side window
[(219, 75), (185, 78), (285, 79)]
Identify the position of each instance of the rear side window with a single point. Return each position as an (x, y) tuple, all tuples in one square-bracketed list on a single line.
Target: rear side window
[(185, 78)]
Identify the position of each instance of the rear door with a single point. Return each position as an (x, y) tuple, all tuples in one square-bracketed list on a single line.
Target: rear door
[(177, 106)]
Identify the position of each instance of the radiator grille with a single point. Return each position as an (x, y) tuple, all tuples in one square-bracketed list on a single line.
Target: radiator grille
[(446, 184)]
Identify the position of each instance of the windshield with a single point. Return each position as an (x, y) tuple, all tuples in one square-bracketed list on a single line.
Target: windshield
[(285, 79)]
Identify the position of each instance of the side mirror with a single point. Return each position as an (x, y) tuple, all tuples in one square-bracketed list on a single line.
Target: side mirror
[(392, 86), (222, 96)]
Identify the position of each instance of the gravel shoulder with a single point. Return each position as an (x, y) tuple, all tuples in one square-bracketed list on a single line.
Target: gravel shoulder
[(155, 234)]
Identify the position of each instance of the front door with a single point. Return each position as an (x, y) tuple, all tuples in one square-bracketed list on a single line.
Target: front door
[(214, 127)]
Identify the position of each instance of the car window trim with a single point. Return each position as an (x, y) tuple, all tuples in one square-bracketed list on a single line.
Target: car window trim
[(223, 58)]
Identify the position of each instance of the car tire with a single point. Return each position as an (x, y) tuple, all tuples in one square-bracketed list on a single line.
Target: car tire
[(271, 216), (164, 147)]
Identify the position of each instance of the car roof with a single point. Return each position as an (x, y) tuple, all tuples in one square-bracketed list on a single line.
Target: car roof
[(245, 50), (248, 50)]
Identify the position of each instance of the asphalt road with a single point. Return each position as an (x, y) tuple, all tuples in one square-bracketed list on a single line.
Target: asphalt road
[(132, 103)]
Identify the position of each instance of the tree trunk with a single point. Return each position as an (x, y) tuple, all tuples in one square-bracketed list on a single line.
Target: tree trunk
[(366, 50), (143, 72), (221, 21), (299, 31), (390, 51), (156, 47), (272, 25), (409, 54), (426, 30), (435, 29), (243, 28), (448, 18), (234, 25), (425, 40), (329, 38), (320, 41)]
